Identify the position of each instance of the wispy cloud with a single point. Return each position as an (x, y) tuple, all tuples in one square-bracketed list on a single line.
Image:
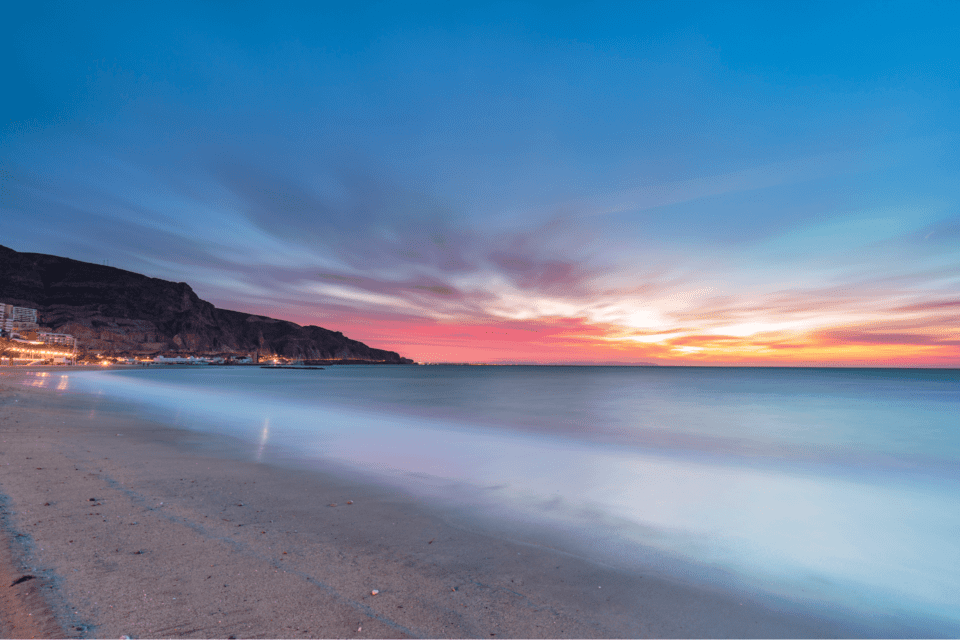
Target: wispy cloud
[(949, 306)]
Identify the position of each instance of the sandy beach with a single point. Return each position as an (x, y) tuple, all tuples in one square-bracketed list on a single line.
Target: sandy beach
[(127, 527)]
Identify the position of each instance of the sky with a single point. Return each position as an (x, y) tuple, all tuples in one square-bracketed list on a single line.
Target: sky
[(644, 182)]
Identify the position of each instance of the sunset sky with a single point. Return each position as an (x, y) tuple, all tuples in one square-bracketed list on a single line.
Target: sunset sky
[(673, 183)]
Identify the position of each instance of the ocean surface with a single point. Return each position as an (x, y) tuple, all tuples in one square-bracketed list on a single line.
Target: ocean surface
[(838, 487)]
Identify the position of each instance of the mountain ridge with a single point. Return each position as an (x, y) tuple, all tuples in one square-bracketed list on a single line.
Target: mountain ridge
[(113, 311)]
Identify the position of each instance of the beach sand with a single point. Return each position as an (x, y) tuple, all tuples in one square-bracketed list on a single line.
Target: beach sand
[(134, 528)]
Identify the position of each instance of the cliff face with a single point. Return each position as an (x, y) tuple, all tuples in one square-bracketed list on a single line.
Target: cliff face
[(112, 311)]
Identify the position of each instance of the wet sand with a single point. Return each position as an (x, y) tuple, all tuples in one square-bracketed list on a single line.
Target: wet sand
[(141, 529)]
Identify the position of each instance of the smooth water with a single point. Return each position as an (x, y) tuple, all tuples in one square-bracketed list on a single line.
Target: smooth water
[(834, 486)]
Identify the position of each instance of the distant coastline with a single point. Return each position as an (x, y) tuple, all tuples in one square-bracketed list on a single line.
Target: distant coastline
[(541, 364)]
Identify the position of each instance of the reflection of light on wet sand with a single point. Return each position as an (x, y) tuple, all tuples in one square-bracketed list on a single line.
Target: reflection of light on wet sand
[(263, 438), (63, 383)]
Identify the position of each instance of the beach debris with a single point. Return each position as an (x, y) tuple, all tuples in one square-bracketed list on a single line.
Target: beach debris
[(91, 499), (374, 592), (431, 542), (22, 579), (349, 501), (333, 504)]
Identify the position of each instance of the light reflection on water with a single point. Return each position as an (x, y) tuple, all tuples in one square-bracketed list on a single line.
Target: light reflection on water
[(264, 436), (841, 486), (40, 379)]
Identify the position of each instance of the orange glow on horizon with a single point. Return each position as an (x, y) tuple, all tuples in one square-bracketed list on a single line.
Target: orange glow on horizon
[(565, 340), (888, 328)]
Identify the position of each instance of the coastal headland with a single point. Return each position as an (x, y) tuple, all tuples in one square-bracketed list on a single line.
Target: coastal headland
[(115, 525), (113, 312)]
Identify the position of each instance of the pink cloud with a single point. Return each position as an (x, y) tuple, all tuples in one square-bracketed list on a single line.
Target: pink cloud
[(930, 306)]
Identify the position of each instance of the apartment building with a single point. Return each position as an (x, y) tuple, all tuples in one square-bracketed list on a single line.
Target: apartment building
[(59, 339), (10, 313), (17, 318)]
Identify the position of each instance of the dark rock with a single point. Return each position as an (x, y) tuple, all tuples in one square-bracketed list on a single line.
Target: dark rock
[(115, 312)]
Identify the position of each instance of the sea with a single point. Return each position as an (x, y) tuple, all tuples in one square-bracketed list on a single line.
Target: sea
[(831, 487)]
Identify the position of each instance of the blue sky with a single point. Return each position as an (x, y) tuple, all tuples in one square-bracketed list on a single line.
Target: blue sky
[(735, 182)]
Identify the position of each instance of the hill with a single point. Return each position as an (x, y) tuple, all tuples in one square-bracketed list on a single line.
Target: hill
[(118, 312)]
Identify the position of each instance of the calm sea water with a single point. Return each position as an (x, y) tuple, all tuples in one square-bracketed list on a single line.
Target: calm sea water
[(836, 486)]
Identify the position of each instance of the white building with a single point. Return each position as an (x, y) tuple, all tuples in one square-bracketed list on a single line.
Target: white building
[(59, 339), (17, 318)]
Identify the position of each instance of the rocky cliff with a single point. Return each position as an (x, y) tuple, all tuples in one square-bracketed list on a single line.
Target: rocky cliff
[(112, 311)]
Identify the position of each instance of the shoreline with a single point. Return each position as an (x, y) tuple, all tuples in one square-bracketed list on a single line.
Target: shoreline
[(168, 533)]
